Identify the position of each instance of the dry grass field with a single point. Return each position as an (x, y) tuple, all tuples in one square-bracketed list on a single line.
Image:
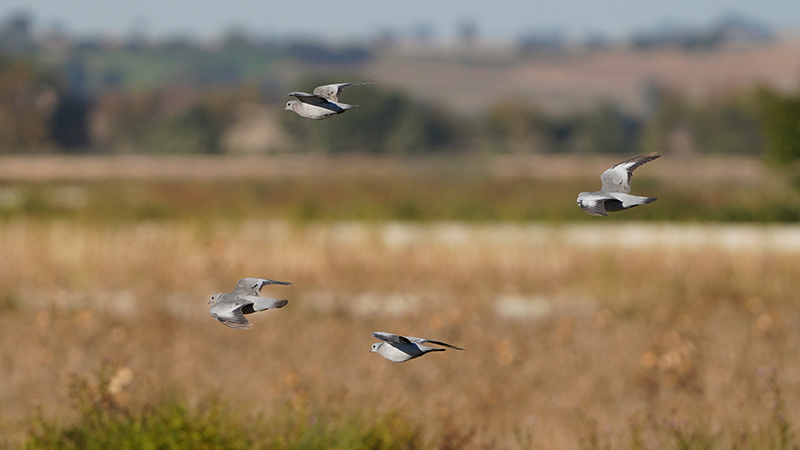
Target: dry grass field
[(576, 337), (633, 331)]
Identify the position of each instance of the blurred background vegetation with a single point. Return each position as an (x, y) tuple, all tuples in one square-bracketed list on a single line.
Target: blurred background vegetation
[(63, 94), (67, 94)]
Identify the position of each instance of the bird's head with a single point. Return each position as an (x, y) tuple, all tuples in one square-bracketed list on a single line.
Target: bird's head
[(581, 196), (214, 298), (375, 347), (290, 105)]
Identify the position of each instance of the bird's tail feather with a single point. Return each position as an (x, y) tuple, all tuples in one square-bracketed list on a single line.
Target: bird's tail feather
[(346, 106), (280, 303), (261, 304)]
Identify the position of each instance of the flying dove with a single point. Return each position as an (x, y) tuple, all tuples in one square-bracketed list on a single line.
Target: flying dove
[(230, 308), (402, 348), (323, 103), (615, 193)]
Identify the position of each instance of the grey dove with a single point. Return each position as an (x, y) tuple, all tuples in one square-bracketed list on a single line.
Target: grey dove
[(230, 308), (323, 103), (615, 195), (402, 348)]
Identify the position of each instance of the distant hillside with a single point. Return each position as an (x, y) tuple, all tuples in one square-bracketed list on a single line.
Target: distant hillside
[(576, 79)]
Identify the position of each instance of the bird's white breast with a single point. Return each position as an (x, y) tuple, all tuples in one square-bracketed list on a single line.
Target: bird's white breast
[(394, 354)]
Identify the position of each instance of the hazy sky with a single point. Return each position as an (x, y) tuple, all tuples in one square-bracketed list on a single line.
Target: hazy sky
[(355, 18)]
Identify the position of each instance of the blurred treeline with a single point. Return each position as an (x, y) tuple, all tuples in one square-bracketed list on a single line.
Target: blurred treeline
[(62, 96)]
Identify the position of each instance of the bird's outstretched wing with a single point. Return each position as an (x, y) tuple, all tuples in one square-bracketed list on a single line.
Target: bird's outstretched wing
[(331, 92), (230, 314), (409, 340), (309, 98), (391, 338), (417, 340), (618, 177), (252, 286), (596, 205)]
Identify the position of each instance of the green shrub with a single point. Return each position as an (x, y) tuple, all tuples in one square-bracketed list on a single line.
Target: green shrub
[(104, 423)]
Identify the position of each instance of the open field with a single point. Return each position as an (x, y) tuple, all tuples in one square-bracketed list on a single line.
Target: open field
[(573, 339), (662, 327), (448, 188)]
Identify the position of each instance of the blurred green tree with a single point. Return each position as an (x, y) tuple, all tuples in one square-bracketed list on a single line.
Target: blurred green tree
[(727, 123), (169, 120), (29, 94), (515, 127), (389, 123), (604, 129), (780, 115)]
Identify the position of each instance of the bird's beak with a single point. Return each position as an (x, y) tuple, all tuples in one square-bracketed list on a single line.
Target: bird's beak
[(209, 302)]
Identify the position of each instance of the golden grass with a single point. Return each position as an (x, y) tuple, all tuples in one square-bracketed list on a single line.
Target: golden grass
[(568, 344)]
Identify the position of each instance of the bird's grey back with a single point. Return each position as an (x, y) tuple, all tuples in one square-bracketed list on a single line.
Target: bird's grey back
[(227, 300)]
